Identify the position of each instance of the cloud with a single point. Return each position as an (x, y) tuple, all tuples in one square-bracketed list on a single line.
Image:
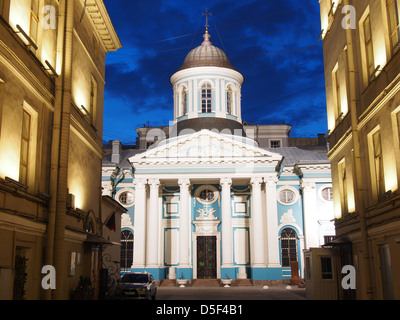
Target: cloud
[(274, 44)]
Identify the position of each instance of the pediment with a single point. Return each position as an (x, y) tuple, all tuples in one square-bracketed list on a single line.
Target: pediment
[(206, 145)]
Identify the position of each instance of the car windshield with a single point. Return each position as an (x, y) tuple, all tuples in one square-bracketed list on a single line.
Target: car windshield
[(135, 278)]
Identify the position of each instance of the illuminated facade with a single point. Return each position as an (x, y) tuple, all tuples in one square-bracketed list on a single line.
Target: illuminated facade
[(361, 53), (52, 70), (206, 201)]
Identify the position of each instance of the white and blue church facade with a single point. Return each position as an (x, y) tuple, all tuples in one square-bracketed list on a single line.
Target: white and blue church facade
[(208, 202)]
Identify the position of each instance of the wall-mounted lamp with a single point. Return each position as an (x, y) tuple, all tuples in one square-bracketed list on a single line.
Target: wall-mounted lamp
[(374, 73), (385, 195), (51, 68), (16, 183), (84, 110), (321, 35), (71, 201), (31, 42)]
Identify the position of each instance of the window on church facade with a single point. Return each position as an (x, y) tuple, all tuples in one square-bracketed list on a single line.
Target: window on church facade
[(184, 101), (126, 249), (275, 143), (126, 198), (229, 101), (207, 195), (288, 246), (287, 196), (327, 194), (206, 98)]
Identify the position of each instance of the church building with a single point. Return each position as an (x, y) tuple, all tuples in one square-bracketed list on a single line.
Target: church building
[(208, 202)]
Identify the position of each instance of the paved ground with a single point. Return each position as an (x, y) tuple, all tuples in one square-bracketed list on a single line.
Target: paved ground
[(231, 293)]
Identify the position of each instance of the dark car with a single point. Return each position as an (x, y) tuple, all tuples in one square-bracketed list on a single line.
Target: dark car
[(138, 285)]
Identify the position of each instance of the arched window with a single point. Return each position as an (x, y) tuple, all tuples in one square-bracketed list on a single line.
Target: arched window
[(206, 98), (288, 246), (126, 249), (229, 100), (184, 101)]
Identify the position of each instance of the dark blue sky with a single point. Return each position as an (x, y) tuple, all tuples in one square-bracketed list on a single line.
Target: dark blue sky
[(274, 44)]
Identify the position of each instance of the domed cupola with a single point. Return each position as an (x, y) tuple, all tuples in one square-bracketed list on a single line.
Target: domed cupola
[(206, 55), (207, 91)]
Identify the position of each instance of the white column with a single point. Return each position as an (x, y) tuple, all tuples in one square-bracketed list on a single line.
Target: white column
[(227, 247), (272, 221), (257, 224), (139, 258), (184, 215), (152, 225), (311, 228)]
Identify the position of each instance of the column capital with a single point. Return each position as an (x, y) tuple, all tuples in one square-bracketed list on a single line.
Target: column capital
[(154, 183), (225, 182), (307, 185), (271, 180), (256, 181), (184, 182), (140, 183)]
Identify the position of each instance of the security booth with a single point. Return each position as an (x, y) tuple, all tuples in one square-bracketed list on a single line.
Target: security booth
[(321, 273)]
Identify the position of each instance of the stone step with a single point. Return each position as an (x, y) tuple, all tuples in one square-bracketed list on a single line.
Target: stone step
[(168, 283), (242, 283), (206, 283)]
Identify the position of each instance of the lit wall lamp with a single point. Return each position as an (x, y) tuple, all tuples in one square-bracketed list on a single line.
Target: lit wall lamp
[(321, 35), (385, 195), (16, 183), (31, 42), (71, 201), (85, 112), (51, 68), (374, 73)]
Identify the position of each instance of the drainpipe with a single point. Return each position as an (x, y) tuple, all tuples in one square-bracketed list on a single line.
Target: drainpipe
[(357, 163), (62, 157), (55, 144)]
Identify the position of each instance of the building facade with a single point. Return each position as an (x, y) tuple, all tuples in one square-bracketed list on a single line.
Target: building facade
[(205, 201), (361, 42), (52, 71)]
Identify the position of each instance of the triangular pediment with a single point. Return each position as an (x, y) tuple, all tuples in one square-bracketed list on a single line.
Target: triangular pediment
[(206, 145)]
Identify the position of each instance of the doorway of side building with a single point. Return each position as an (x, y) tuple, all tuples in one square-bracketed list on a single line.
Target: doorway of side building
[(206, 257)]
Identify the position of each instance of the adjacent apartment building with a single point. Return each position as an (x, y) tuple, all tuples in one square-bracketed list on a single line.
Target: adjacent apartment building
[(52, 77), (361, 43)]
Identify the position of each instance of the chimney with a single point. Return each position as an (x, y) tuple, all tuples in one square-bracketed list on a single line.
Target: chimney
[(116, 152)]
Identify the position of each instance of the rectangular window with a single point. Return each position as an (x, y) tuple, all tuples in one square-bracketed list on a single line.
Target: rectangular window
[(2, 8), (229, 102), (393, 23), (343, 184), (336, 87), (25, 141), (326, 268), (34, 25), (206, 98), (93, 97), (378, 163), (369, 50), (275, 143)]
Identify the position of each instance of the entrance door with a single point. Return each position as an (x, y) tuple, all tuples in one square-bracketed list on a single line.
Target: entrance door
[(207, 257)]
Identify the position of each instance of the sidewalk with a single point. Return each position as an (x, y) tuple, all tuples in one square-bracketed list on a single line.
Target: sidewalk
[(281, 292)]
